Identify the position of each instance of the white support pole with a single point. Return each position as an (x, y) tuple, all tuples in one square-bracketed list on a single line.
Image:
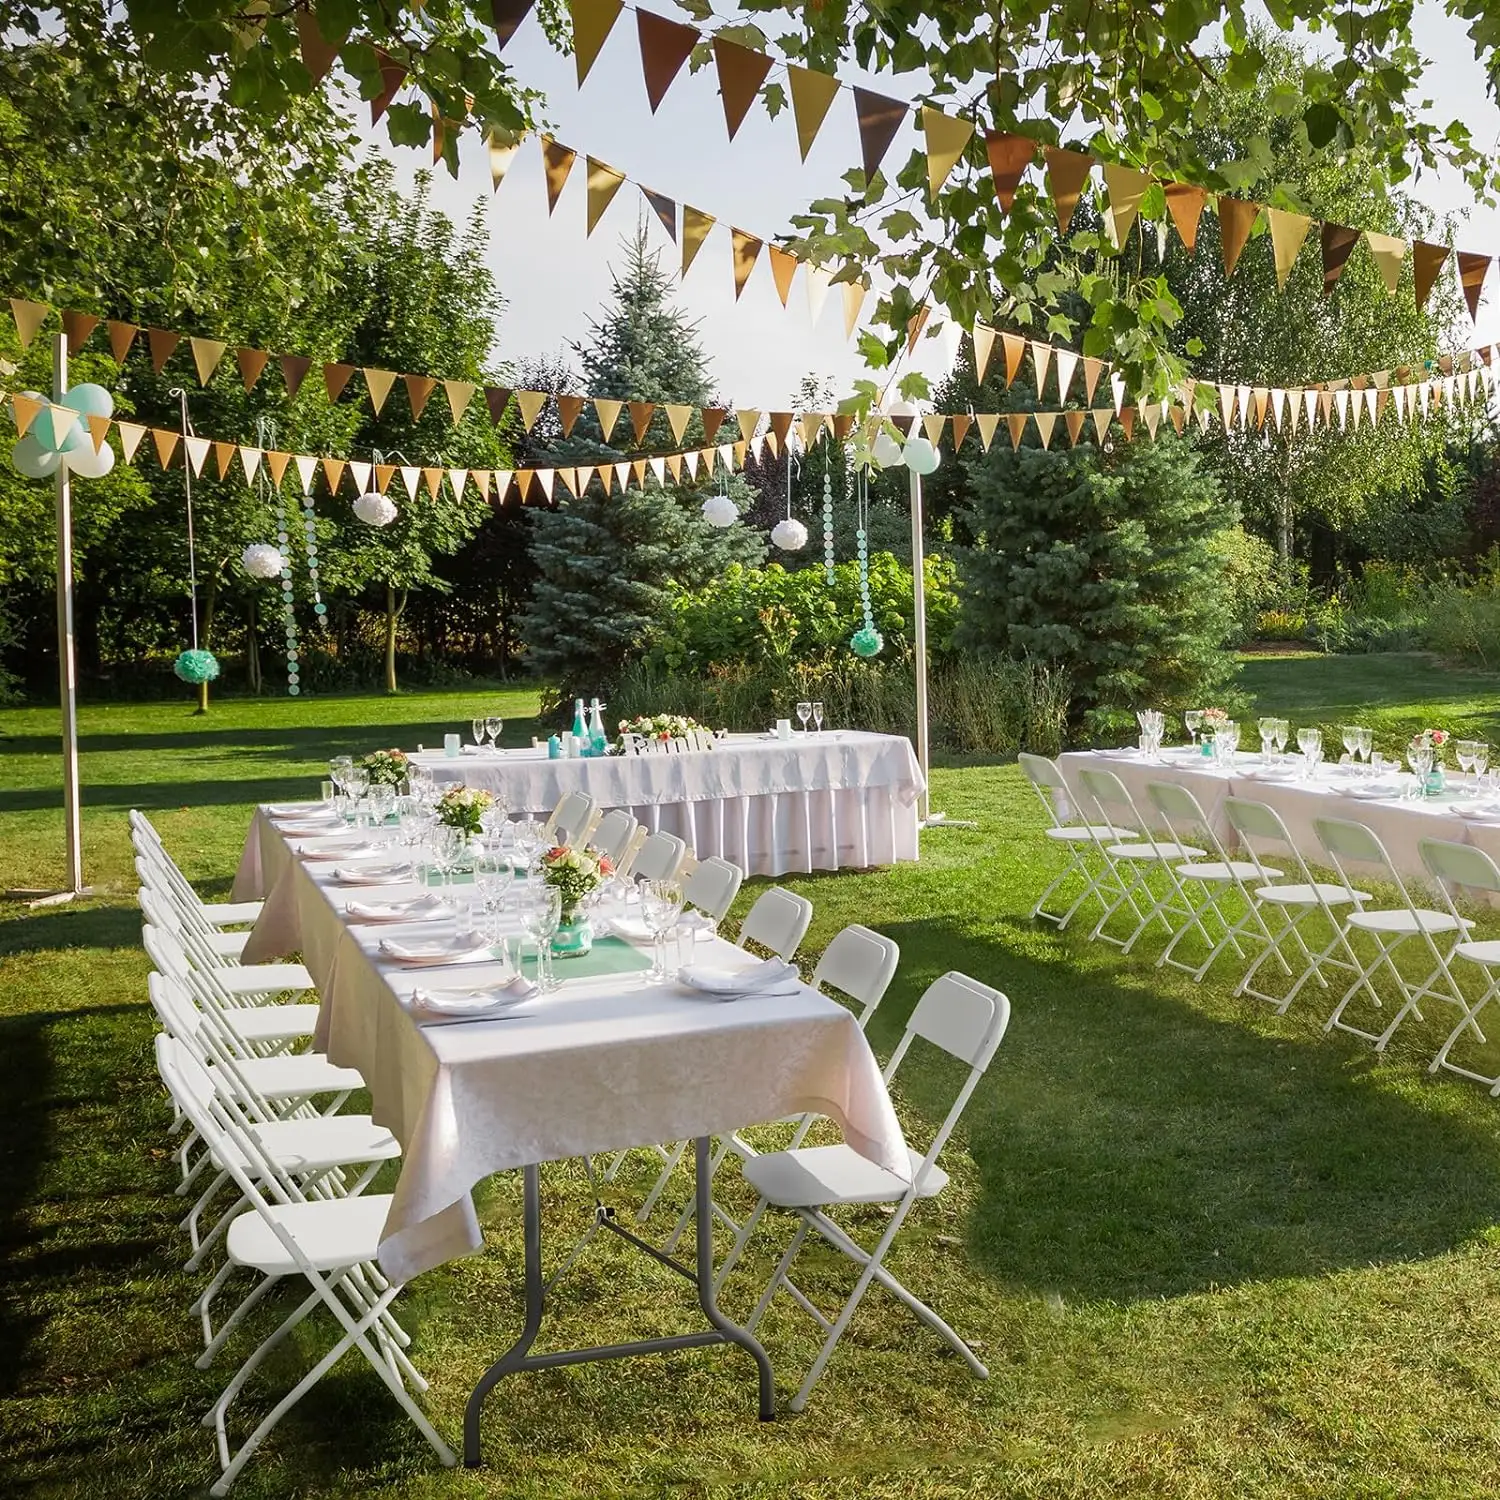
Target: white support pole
[(919, 609), (67, 677)]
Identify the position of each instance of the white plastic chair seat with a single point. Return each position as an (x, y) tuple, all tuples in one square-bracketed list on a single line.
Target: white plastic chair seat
[(231, 913), (1487, 953), (317, 1144), (275, 1023), (1159, 851), (263, 979), (819, 1175), (1419, 920), (1309, 895), (1084, 835), (331, 1232), (1233, 869), (227, 944), (294, 1077)]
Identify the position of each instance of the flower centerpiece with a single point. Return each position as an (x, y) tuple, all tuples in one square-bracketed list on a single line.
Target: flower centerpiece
[(574, 874), (1431, 741), (464, 807), (386, 767), (1213, 720), (661, 727)]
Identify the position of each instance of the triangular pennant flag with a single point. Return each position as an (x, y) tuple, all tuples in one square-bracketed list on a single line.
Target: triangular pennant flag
[(946, 137), (1427, 261), (276, 462), (131, 434), (1325, 406), (294, 368), (678, 417), (1294, 411), (783, 269), (1045, 422), (333, 473), (419, 389), (695, 227), (569, 408), (811, 93), (392, 76), (411, 477), (1016, 421), (666, 211), (987, 422), (1103, 416), (25, 410), (251, 362), (693, 458), (781, 424), (1236, 220), (1242, 395), (165, 442), (318, 51), (458, 479), (593, 20), (854, 299), (1259, 396), (507, 16), (122, 336), (665, 46), (1067, 363), (482, 478), (307, 471), (1117, 390), (250, 462), (984, 346), (523, 479), (1278, 407), (879, 118), (674, 466), (749, 421), (1178, 416), (641, 413), (162, 341), (434, 481), (496, 398), (603, 183), (1092, 370), (1015, 347), (1338, 241), (1288, 232), (810, 425), (1067, 171), (1152, 413), (1186, 203), (962, 422), (713, 419), (1126, 188), (379, 383), (1381, 401), (78, 326), (502, 146), (1341, 405), (1074, 421), (741, 73), (1041, 359), (1226, 405), (223, 458), (530, 404), (1127, 421), (30, 316), (622, 475), (609, 414), (362, 473), (638, 471), (1010, 156), (915, 324), (1387, 251), (903, 424), (1472, 269), (459, 394), (335, 378), (659, 468), (843, 425), (746, 252), (569, 478), (1205, 417), (932, 427), (557, 162)]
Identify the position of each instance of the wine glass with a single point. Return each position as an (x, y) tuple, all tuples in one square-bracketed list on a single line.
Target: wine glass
[(804, 713), (1283, 729), (1463, 751), (1366, 742), (1192, 721), (528, 841), (446, 847), (1350, 735), (817, 715), (493, 877), (541, 913), (1309, 740), (661, 905), (476, 728), (492, 727), (1267, 728), (1481, 760)]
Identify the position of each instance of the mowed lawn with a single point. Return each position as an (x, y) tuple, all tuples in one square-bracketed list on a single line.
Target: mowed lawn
[(1206, 1251)]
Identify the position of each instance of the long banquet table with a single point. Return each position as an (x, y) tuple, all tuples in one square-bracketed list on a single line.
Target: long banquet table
[(604, 1063), (837, 800)]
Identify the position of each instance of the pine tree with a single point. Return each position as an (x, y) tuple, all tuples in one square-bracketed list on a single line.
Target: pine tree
[(604, 561)]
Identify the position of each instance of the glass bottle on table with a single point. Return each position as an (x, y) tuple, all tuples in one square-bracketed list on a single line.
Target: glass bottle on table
[(580, 726)]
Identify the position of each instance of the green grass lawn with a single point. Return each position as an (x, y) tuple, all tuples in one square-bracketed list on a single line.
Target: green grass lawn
[(1206, 1251)]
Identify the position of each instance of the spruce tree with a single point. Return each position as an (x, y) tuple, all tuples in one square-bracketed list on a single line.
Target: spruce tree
[(603, 561)]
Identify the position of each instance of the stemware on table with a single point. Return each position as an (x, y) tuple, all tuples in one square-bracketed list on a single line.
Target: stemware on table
[(804, 712), (661, 906), (492, 727), (1192, 721), (540, 909), (817, 716)]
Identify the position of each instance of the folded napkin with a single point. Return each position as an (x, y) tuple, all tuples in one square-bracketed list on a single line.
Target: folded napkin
[(456, 947), (1484, 811), (305, 810), (398, 911), (386, 874), (444, 1007), (346, 847), (1374, 791), (773, 977), (317, 829)]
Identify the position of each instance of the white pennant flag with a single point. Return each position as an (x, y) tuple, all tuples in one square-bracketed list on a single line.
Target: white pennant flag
[(1242, 395), (817, 281), (1369, 394), (458, 478), (622, 476), (1067, 363), (362, 473), (1117, 386), (411, 477), (692, 458), (307, 469), (1341, 405), (1310, 401), (659, 468), (726, 456), (250, 461), (197, 449)]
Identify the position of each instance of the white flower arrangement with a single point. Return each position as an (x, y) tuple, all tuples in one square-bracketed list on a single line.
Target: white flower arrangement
[(464, 807)]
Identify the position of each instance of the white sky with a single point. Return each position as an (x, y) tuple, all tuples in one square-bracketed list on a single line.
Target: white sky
[(554, 278)]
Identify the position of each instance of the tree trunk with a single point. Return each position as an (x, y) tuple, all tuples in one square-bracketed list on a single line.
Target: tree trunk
[(252, 648), (392, 614)]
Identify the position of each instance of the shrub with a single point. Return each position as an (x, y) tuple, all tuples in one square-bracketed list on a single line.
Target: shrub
[(1280, 625)]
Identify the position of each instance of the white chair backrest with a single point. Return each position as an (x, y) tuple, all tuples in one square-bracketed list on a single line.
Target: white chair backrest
[(1183, 816), (1116, 807), (1459, 867), (571, 818), (204, 1039), (779, 921), (659, 857), (713, 885), (858, 963), (1347, 842), (612, 834)]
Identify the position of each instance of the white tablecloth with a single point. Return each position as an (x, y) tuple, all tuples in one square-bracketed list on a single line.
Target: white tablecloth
[(839, 800), (602, 1064), (1399, 825)]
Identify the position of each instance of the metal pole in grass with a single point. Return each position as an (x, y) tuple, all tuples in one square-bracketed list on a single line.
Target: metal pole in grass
[(67, 672)]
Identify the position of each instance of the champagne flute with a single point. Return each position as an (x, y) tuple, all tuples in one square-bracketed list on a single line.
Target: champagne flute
[(1366, 742), (817, 714), (1193, 721), (476, 728), (1283, 729), (1463, 751), (493, 727), (1267, 729), (541, 913), (804, 713), (1481, 760)]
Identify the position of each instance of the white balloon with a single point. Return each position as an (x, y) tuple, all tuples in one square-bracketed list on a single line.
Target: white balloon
[(374, 509), (91, 400), (86, 462), (920, 456), (33, 459), (886, 451), (790, 535), (720, 510), (79, 438)]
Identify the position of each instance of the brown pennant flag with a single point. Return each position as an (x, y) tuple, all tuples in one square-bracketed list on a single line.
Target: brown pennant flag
[(1427, 261), (915, 324), (502, 146), (854, 299), (1067, 171), (1092, 370), (1472, 269), (749, 421), (903, 424), (984, 346), (569, 408), (459, 394), (946, 138), (713, 419), (665, 46), (335, 378), (78, 326), (695, 227), (530, 404), (1126, 188), (507, 15), (603, 183), (783, 269), (206, 356), (25, 409), (276, 463), (1016, 421), (1074, 421), (741, 73), (392, 76), (333, 473), (1288, 234), (30, 316), (593, 20), (252, 363), (781, 424), (223, 458), (746, 252), (609, 414), (419, 389), (131, 434), (962, 422), (379, 383), (1015, 347), (1010, 156), (1127, 421), (1259, 396), (812, 93), (557, 162), (1103, 416), (879, 118), (318, 51), (162, 341), (495, 398), (294, 368), (1337, 243), (1236, 220), (1185, 203), (1387, 251), (641, 413), (665, 209), (165, 443), (121, 337)]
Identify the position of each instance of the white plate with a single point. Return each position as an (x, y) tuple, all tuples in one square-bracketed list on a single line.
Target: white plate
[(449, 950), (372, 874), (306, 811), (492, 998), (417, 909), (1373, 791), (345, 846)]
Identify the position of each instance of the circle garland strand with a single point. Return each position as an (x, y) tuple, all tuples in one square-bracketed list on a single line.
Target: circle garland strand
[(867, 640), (828, 576)]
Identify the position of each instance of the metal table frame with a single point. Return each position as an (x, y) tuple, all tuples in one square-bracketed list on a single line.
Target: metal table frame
[(519, 1356)]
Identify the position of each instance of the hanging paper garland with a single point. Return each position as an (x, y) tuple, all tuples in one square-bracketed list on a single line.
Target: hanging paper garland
[(310, 530), (828, 574), (866, 641)]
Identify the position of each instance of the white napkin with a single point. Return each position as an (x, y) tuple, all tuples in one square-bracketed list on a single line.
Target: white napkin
[(1374, 791), (317, 829), (443, 1007), (387, 874), (773, 977), (456, 947), (346, 847), (305, 810), (429, 905), (1485, 811)]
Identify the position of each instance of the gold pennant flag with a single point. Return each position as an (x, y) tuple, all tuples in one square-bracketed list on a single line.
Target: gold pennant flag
[(638, 471), (854, 299), (1092, 370), (307, 471), (1259, 396), (674, 467), (987, 422), (641, 413), (419, 389), (252, 364), (206, 356), (695, 227), (502, 146), (1016, 421), (878, 118), (459, 394), (741, 73), (1045, 422), (569, 409), (781, 424), (223, 458), (25, 410), (1067, 171), (1427, 261), (294, 368), (78, 326), (276, 463), (1338, 241), (30, 316), (1288, 233), (458, 480), (1152, 413), (121, 337), (609, 414), (749, 421), (946, 138), (1009, 156), (843, 425), (131, 434), (665, 46), (557, 162), (335, 378), (746, 252), (162, 341), (932, 427), (1041, 359), (962, 422), (530, 404), (593, 20), (1186, 203), (713, 419), (1226, 405), (1236, 220), (1102, 416), (603, 183), (984, 346), (1015, 347), (333, 473), (810, 425), (197, 454), (433, 477), (812, 93), (482, 478), (1472, 269), (783, 269), (1387, 251), (165, 442), (379, 383), (1126, 188), (523, 485), (1074, 421), (678, 417)]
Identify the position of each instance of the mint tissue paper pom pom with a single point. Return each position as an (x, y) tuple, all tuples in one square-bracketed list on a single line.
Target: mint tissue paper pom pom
[(196, 666)]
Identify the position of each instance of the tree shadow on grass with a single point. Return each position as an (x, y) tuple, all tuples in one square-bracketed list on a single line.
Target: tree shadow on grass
[(1130, 1145)]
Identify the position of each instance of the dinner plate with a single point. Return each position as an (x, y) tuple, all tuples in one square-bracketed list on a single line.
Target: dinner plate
[(390, 874), (1373, 791), (344, 846), (457, 948)]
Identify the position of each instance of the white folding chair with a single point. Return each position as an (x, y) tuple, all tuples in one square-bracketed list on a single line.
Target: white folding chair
[(1130, 863), (967, 1020), (712, 887), (571, 821), (778, 920), (228, 944), (331, 1243), (1391, 930), (658, 858), (612, 834), (1457, 868), (1075, 839), (221, 913)]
